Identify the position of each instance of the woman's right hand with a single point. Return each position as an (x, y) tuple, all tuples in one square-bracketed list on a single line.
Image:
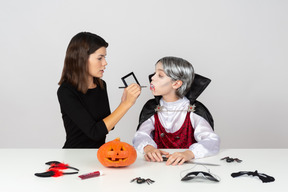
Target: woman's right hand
[(128, 99), (130, 94), (153, 154)]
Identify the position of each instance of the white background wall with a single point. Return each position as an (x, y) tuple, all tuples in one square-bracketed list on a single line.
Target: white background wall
[(241, 45)]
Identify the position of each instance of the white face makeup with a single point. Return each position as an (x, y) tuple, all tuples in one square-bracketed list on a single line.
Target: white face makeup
[(161, 84)]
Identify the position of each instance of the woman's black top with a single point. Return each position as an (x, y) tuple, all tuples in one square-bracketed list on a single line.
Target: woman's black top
[(83, 116)]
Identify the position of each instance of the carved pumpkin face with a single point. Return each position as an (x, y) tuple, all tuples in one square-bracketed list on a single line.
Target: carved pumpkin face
[(116, 154)]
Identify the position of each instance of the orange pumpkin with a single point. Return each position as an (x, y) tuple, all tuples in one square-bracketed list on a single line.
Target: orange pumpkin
[(116, 154)]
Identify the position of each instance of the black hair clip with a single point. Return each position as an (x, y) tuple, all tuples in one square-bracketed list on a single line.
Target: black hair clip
[(59, 165), (200, 174), (229, 159), (263, 177), (55, 170)]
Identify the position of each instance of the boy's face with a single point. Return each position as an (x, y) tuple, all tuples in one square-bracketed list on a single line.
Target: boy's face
[(161, 84)]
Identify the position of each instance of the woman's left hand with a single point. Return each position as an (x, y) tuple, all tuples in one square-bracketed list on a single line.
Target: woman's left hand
[(178, 158)]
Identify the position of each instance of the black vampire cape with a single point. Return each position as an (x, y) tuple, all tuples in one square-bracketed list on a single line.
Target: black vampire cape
[(198, 86)]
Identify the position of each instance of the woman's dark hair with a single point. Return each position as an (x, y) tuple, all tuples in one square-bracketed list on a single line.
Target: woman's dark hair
[(75, 70)]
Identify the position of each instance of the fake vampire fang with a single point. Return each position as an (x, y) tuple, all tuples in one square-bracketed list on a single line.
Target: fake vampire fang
[(152, 88)]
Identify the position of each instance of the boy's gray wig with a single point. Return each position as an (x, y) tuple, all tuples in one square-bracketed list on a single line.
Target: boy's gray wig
[(179, 69)]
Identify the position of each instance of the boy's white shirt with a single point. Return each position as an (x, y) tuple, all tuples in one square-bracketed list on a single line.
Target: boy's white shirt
[(208, 143)]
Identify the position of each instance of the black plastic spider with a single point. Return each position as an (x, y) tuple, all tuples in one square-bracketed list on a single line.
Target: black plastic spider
[(140, 180), (229, 159)]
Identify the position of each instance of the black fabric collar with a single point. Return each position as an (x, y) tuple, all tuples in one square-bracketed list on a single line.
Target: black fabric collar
[(199, 84)]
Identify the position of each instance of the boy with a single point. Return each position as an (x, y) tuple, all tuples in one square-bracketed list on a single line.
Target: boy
[(174, 119)]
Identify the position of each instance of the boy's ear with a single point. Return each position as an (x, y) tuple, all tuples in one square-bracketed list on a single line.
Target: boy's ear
[(177, 84)]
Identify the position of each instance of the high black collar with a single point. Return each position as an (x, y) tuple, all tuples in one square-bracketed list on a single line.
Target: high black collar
[(199, 84)]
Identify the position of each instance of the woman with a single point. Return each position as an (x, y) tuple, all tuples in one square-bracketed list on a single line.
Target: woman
[(83, 94)]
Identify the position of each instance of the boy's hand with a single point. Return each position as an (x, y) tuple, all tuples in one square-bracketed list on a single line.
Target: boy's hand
[(153, 154), (178, 158)]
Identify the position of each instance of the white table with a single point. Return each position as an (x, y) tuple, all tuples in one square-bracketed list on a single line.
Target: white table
[(17, 168)]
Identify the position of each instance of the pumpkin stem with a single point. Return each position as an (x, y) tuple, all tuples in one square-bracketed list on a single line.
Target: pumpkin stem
[(118, 138)]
